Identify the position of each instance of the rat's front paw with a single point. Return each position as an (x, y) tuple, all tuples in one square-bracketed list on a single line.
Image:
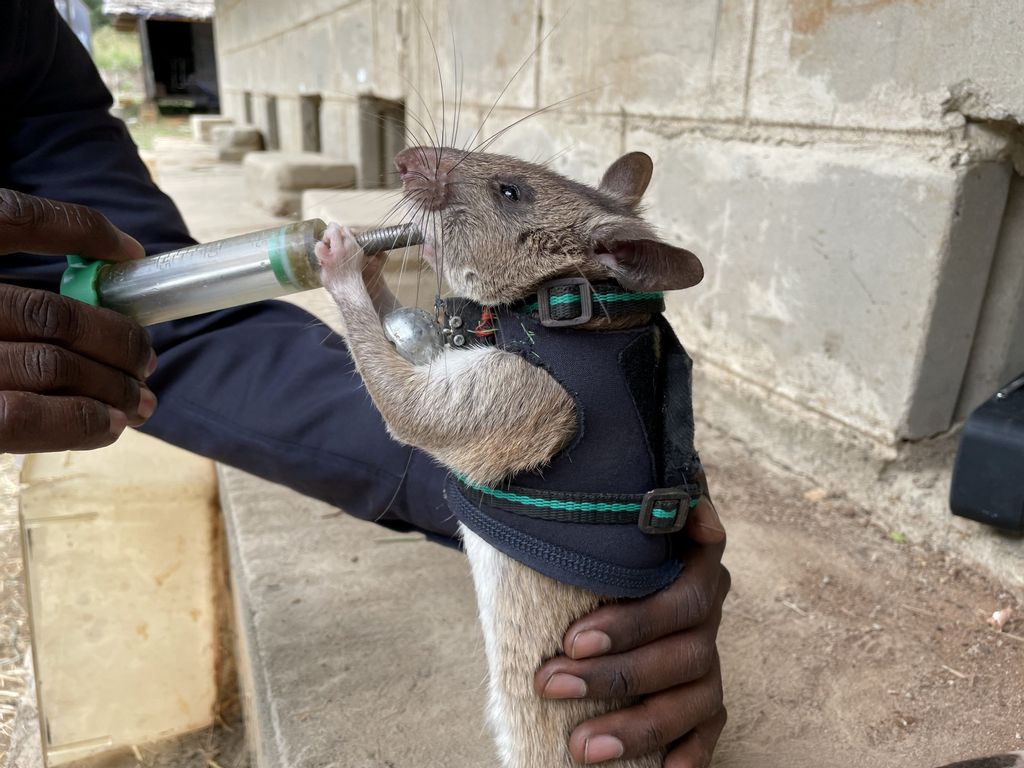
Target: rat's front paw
[(340, 256)]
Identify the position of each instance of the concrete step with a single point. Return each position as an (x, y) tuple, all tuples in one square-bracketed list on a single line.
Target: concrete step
[(275, 180), (359, 646)]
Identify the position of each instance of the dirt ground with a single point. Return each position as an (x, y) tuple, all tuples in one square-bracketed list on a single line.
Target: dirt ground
[(845, 645), (14, 637)]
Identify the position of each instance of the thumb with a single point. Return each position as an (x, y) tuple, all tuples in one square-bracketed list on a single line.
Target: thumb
[(703, 524)]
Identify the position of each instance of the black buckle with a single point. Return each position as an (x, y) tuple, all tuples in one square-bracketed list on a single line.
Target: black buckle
[(544, 305), (656, 518)]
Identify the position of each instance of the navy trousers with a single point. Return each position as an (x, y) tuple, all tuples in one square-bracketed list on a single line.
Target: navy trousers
[(264, 388)]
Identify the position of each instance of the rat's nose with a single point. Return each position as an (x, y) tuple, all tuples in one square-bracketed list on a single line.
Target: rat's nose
[(426, 173)]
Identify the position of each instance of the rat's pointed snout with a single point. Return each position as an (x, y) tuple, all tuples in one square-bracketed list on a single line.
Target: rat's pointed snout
[(426, 174)]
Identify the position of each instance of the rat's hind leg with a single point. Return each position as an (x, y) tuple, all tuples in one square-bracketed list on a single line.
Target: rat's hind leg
[(524, 616)]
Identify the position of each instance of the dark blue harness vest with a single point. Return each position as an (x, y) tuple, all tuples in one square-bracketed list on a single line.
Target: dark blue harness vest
[(604, 513)]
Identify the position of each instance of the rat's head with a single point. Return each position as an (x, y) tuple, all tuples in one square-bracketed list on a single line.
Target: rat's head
[(498, 227)]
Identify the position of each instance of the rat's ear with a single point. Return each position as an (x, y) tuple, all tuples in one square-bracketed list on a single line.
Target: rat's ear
[(641, 262), (627, 178)]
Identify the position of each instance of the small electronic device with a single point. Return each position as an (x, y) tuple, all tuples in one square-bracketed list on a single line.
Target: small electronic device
[(988, 476)]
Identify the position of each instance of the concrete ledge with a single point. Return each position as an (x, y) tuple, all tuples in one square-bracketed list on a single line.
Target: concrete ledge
[(123, 572), (358, 646), (203, 125), (359, 209), (903, 487), (276, 180), (234, 142)]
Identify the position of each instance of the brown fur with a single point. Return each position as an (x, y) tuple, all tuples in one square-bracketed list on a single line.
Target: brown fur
[(488, 413)]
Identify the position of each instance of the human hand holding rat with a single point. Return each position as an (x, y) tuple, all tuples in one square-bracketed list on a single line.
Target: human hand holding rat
[(660, 647)]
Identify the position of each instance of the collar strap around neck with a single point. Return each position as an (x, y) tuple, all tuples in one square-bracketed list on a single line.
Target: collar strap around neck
[(571, 301)]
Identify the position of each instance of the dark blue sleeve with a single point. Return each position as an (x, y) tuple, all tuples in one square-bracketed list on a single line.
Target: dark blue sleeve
[(265, 388)]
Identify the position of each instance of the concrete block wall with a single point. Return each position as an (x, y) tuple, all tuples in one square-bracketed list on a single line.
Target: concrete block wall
[(843, 168)]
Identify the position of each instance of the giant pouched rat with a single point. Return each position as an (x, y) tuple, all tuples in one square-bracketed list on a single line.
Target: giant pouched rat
[(513, 408), (494, 411)]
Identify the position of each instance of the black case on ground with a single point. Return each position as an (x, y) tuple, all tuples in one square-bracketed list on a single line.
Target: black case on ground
[(988, 476)]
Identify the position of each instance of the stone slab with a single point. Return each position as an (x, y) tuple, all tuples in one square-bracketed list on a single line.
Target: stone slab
[(845, 278), (998, 352), (297, 171), (203, 125), (275, 180), (124, 572), (651, 57), (234, 142), (894, 65), (360, 645), (242, 136)]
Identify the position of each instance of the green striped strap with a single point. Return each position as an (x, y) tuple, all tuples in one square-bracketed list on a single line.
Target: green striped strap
[(603, 297), (592, 508)]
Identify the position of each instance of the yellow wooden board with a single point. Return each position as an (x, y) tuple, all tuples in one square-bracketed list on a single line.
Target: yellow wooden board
[(122, 567)]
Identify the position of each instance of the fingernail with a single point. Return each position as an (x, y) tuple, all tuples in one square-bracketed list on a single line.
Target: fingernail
[(563, 686), (132, 246), (118, 422), (150, 366), (597, 749), (147, 403), (591, 642)]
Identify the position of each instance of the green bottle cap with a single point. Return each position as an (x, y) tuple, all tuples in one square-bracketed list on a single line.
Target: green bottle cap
[(80, 278)]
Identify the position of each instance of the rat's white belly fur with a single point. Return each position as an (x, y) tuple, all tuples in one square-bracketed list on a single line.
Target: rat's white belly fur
[(524, 616)]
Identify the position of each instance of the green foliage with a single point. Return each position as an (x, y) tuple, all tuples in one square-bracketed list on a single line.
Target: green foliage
[(96, 16), (115, 51), (145, 134)]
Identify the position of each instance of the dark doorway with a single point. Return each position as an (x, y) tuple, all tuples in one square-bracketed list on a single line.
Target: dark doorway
[(182, 65), (247, 106), (309, 107), (273, 137)]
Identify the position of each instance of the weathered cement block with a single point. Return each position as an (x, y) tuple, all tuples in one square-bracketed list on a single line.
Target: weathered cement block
[(653, 57), (289, 123), (489, 46), (886, 64), (825, 267), (299, 170), (275, 180), (233, 142), (339, 129), (232, 104), (350, 67), (392, 72), (997, 355), (579, 146), (203, 125), (362, 209), (260, 113)]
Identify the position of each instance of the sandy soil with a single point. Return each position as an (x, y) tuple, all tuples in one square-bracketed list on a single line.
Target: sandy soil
[(845, 645)]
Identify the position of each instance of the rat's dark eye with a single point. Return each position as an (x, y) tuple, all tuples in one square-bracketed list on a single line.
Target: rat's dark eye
[(510, 192)]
